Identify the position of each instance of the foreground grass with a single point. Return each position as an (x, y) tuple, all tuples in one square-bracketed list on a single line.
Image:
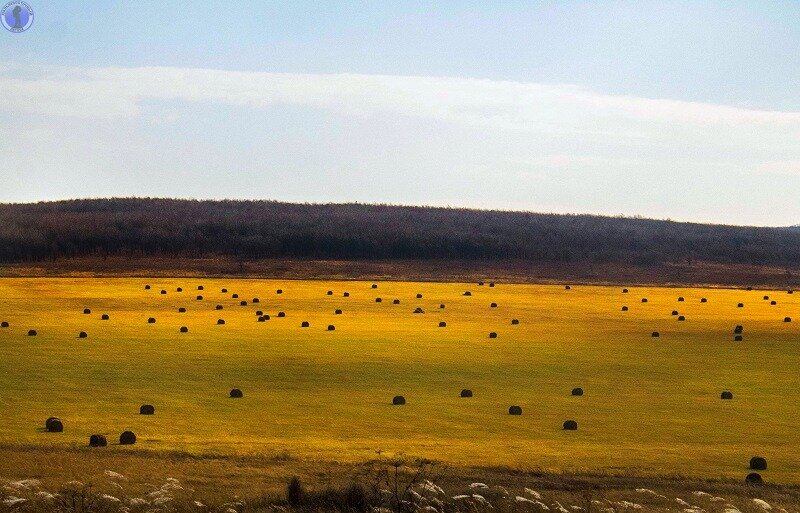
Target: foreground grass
[(651, 406)]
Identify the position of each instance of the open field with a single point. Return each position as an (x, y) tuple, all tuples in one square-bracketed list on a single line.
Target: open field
[(651, 406)]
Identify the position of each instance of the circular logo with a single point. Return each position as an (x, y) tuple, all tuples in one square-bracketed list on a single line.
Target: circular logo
[(16, 16)]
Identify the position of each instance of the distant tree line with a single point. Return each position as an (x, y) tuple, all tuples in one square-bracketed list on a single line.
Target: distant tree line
[(267, 229)]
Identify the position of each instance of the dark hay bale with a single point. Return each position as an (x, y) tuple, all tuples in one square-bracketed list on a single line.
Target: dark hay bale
[(467, 293), (337, 312), (235, 296), (236, 393), (199, 298), (179, 289), (441, 307), (242, 303), (766, 298), (259, 313), (480, 284), (577, 391), (738, 329), (738, 338), (346, 294), (491, 284), (655, 334), (279, 291), (147, 287), (151, 320), (418, 310), (754, 479), (127, 438), (261, 318), (726, 395), (787, 319), (86, 311), (570, 425), (790, 291), (398, 400), (773, 303), (681, 317), (32, 333), (374, 285), (199, 287), (4, 324), (674, 312), (680, 298), (256, 300), (396, 302), (304, 324), (466, 393), (644, 300), (224, 291), (703, 300), (624, 308), (147, 409), (104, 317), (378, 300), (218, 307), (281, 314), (493, 305), (266, 317), (163, 291), (182, 310), (330, 292), (515, 410), (514, 321), (82, 334), (567, 287), (184, 329), (54, 425), (220, 321), (740, 305), (493, 335), (331, 327), (624, 291), (758, 463), (98, 441), (419, 296), (442, 324)]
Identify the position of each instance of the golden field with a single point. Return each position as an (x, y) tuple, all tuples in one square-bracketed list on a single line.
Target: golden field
[(651, 405)]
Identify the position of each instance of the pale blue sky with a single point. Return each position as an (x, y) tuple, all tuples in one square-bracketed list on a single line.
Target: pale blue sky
[(686, 110)]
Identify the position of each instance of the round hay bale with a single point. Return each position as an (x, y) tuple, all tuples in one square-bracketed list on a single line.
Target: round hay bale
[(787, 319), (261, 318), (680, 298), (624, 308), (515, 410), (726, 395), (98, 441), (181, 310), (147, 287), (127, 438), (151, 320), (236, 393), (681, 317), (224, 291), (184, 329), (790, 291), (738, 338), (703, 300), (467, 293), (242, 303), (396, 302), (740, 305), (163, 291), (331, 327), (86, 311), (577, 392), (674, 312), (766, 298), (4, 324), (480, 284), (256, 300), (655, 334), (330, 292), (220, 321), (218, 307), (147, 409), (32, 333), (378, 300), (235, 296), (493, 305), (466, 392), (82, 334), (493, 335), (199, 287), (738, 329), (442, 324), (374, 285), (281, 314), (570, 425), (279, 291), (346, 294), (259, 313), (758, 463), (398, 400), (514, 321), (104, 317), (754, 479), (418, 310), (419, 296), (304, 324), (773, 303), (441, 306), (491, 284), (54, 425), (624, 291), (199, 298), (337, 312), (644, 300), (567, 287)]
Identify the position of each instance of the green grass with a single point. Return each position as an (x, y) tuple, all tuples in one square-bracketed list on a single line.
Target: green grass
[(651, 406)]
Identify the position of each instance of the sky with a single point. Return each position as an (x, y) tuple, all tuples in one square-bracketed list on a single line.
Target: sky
[(672, 110)]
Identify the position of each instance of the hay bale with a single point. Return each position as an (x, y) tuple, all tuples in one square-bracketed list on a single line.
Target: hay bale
[(419, 310), (754, 479), (480, 284), (740, 305), (147, 287), (738, 329), (398, 400), (766, 298), (98, 441), (82, 334), (442, 324), (54, 425), (255, 300), (491, 284), (441, 306), (235, 296), (493, 335), (570, 425), (681, 317), (218, 307), (624, 291), (644, 300), (655, 334), (281, 314), (577, 392), (242, 303), (773, 303), (184, 329), (104, 317), (199, 287), (330, 292), (624, 308), (567, 287), (466, 392), (515, 410), (787, 319), (199, 298), (374, 285), (738, 338), (396, 302), (4, 324), (514, 321), (279, 291), (304, 324), (680, 298), (337, 312), (703, 300), (467, 293), (346, 294), (127, 438), (261, 318), (224, 291), (790, 291), (493, 305), (674, 312), (419, 296), (151, 320), (236, 393), (726, 395), (378, 300), (331, 327), (758, 463), (259, 313), (32, 333), (163, 291), (147, 409), (86, 311), (220, 321), (181, 310)]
